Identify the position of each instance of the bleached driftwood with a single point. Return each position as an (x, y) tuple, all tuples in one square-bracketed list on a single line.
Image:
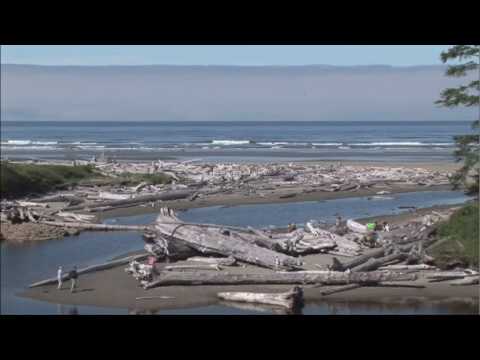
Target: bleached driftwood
[(289, 299), (356, 227), (172, 195), (76, 217), (227, 243), (373, 264), (473, 280), (111, 196), (105, 227), (338, 266), (228, 261), (340, 289), (192, 267), (408, 267), (310, 277), (92, 268), (452, 275), (31, 204)]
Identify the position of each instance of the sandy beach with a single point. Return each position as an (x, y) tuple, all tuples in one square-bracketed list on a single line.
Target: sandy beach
[(115, 288)]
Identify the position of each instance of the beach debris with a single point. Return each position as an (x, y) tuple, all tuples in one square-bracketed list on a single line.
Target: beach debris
[(205, 238), (473, 280), (226, 261), (192, 267), (357, 227), (408, 267), (169, 278), (338, 289), (290, 299)]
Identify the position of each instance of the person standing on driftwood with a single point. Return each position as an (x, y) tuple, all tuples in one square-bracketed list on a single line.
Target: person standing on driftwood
[(73, 275), (59, 277)]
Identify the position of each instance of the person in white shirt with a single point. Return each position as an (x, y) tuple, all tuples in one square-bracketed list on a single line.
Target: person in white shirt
[(59, 277)]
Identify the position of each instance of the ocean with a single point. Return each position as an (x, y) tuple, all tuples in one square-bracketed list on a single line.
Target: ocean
[(233, 141)]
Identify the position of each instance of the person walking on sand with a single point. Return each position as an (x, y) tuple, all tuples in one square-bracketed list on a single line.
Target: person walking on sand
[(73, 275), (59, 277)]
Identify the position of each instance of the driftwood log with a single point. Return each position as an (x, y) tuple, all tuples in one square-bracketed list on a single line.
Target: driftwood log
[(87, 226), (289, 299), (221, 242), (92, 268), (338, 266), (310, 277), (173, 195), (373, 264), (215, 261)]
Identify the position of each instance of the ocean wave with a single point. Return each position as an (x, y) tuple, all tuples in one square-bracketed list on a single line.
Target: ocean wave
[(17, 142), (272, 143), (327, 144), (231, 142), (44, 147), (28, 142), (400, 143)]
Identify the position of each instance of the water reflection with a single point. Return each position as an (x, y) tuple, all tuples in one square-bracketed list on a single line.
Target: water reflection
[(262, 308), (67, 310)]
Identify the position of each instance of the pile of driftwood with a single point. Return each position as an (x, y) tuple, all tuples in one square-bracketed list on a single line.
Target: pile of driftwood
[(399, 254)]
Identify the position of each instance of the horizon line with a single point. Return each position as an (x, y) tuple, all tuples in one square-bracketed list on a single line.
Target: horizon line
[(221, 65)]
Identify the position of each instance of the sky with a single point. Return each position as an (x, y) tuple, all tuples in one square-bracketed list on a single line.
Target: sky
[(196, 93), (246, 55)]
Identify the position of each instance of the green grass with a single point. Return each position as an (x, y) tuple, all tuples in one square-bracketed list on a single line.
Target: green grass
[(23, 179), (459, 238)]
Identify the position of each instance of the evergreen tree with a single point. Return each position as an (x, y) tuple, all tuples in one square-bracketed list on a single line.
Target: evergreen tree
[(468, 57)]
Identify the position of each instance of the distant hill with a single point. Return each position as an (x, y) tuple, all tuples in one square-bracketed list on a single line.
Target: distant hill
[(229, 93)]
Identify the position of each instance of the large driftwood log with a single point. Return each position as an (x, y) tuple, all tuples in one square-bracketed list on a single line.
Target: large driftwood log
[(173, 195), (289, 299), (105, 227), (474, 280), (338, 266), (373, 264), (408, 267), (92, 268), (212, 260), (192, 267), (310, 277), (227, 243), (340, 289)]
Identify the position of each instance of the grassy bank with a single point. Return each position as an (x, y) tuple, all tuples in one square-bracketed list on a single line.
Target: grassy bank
[(23, 179), (459, 238)]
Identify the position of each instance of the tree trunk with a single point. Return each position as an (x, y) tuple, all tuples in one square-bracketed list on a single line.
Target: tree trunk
[(373, 264), (216, 261), (87, 226), (174, 195), (290, 278), (289, 299), (227, 243), (338, 266)]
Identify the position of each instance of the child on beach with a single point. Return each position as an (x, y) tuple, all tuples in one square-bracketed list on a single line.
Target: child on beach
[(59, 277)]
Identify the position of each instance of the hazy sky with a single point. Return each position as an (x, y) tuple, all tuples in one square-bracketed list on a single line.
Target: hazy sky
[(190, 93), (396, 55)]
